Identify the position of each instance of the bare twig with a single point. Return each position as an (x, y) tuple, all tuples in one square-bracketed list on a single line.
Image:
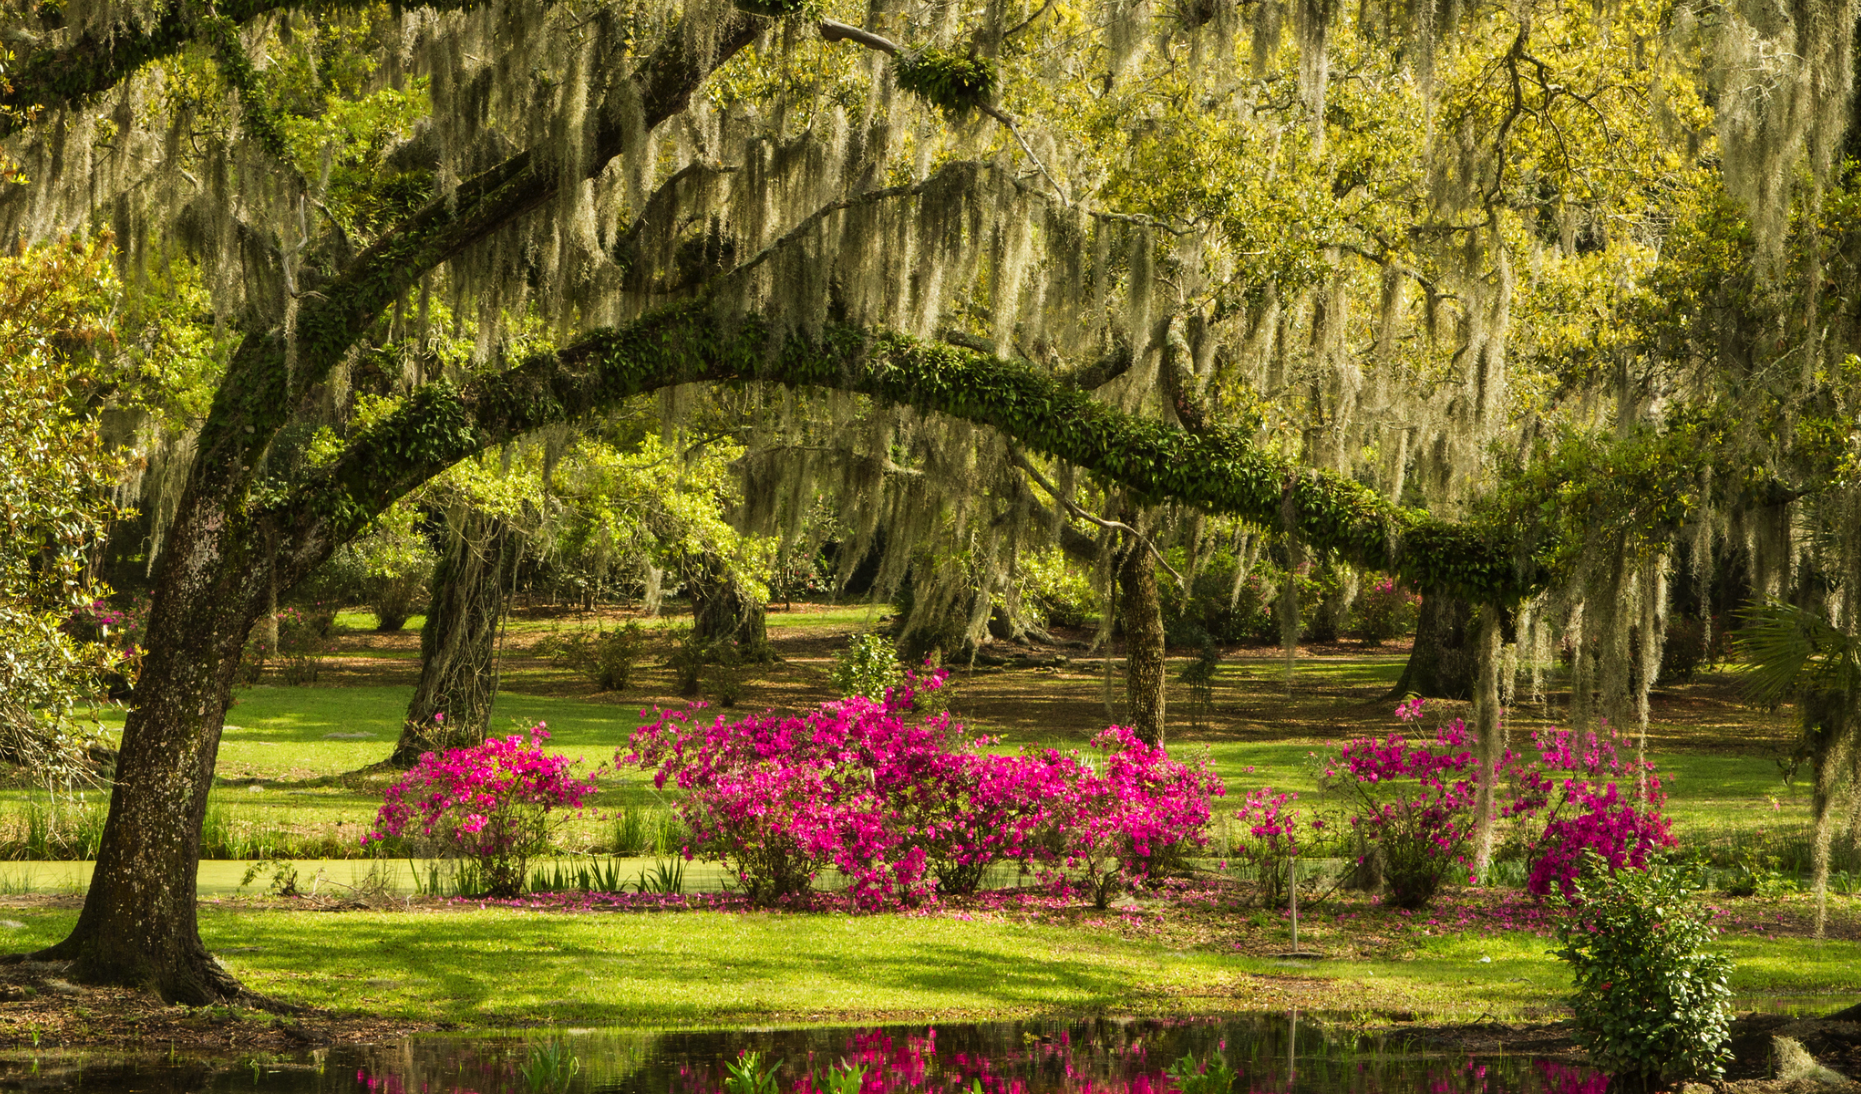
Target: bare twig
[(1028, 22), (1109, 525), (1008, 123)]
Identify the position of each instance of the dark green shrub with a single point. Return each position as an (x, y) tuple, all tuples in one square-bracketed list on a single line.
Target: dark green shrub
[(867, 666), (1652, 1003), (606, 658), (1684, 649), (687, 662), (1210, 610), (726, 672), (717, 670)]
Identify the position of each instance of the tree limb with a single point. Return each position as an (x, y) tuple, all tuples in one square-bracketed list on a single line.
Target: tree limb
[(97, 61), (1220, 470)]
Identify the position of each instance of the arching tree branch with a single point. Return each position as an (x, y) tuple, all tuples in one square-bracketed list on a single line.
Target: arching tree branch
[(1218, 470)]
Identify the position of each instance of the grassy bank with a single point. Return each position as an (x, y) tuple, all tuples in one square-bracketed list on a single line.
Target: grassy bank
[(489, 966)]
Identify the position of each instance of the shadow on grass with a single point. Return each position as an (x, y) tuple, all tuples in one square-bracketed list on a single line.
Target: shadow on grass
[(675, 970)]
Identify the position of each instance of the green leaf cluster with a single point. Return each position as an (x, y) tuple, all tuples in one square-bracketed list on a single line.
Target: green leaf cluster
[(955, 83), (1652, 1001)]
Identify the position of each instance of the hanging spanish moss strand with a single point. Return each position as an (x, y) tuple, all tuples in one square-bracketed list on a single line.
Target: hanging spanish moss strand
[(1489, 736), (1582, 680), (1652, 598)]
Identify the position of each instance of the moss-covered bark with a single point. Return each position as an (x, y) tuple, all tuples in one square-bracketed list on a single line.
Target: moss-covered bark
[(1443, 662), (1219, 470), (458, 685), (1141, 610)]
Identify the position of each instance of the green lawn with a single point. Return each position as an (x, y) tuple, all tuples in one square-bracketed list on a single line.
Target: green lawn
[(497, 967)]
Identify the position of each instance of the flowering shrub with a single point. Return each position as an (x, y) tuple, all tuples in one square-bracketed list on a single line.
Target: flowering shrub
[(1591, 799), (118, 630), (1127, 817), (1384, 611), (497, 804), (1273, 838), (1651, 1001), (1415, 802), (904, 807), (1587, 810)]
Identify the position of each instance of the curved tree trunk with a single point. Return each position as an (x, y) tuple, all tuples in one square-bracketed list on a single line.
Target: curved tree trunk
[(1142, 611), (452, 703), (138, 926), (1445, 660), (724, 609)]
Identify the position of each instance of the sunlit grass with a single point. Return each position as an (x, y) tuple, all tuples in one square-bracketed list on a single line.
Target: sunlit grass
[(496, 966)]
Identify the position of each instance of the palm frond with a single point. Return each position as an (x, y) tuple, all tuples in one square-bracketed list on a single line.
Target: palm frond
[(1787, 649)]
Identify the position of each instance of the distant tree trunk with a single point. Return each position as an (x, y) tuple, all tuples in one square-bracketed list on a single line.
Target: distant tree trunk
[(1489, 728), (724, 609), (458, 645), (1444, 662), (1142, 612)]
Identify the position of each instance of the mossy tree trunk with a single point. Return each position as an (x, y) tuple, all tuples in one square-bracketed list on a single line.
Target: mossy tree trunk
[(1141, 610), (138, 925), (452, 702), (1445, 661), (725, 609)]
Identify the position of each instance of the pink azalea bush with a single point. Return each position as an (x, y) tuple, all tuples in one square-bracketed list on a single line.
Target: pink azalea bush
[(1124, 817), (1275, 835), (497, 804), (1592, 800), (904, 807), (1415, 801)]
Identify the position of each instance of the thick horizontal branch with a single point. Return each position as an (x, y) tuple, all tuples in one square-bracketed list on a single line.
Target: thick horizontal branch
[(1218, 470)]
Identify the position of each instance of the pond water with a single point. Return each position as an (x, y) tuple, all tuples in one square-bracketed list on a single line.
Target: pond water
[(1268, 1055)]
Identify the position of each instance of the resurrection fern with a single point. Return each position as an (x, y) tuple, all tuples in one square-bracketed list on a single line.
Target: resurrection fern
[(954, 83)]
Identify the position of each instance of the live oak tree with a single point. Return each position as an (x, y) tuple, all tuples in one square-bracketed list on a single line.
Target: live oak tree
[(1097, 238)]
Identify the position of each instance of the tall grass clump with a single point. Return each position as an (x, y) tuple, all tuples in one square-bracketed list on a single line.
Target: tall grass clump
[(60, 829), (642, 830)]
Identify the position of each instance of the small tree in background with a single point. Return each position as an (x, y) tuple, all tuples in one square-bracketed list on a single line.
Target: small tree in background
[(867, 667)]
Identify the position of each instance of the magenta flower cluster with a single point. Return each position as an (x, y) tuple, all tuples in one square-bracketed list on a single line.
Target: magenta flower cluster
[(1415, 801), (1592, 799), (1275, 835), (905, 806), (497, 804)]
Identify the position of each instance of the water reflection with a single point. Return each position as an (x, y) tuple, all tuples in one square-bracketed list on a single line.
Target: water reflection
[(1268, 1055)]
